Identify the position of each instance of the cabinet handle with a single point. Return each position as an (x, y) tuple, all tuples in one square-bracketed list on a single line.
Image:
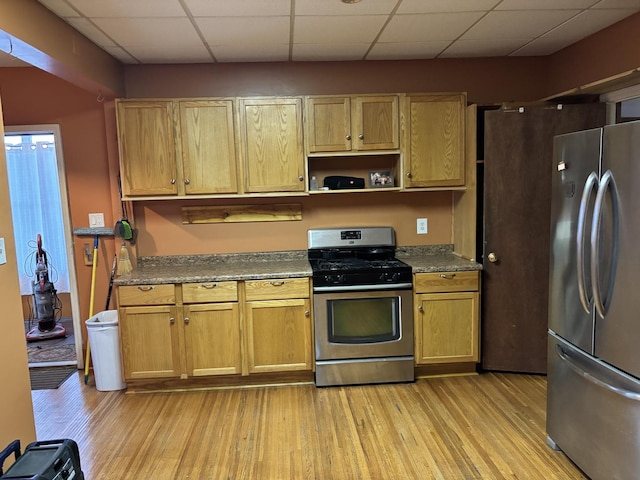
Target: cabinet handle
[(307, 313), (420, 309), (277, 284), (347, 137), (301, 178), (173, 181), (172, 320), (187, 181), (361, 136), (209, 286), (409, 175), (186, 320), (447, 275), (146, 288)]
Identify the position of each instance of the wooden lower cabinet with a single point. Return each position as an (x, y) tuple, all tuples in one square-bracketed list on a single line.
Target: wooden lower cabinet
[(149, 342), (447, 311), (197, 330), (278, 335)]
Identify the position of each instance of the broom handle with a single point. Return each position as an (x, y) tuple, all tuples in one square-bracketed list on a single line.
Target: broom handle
[(91, 301)]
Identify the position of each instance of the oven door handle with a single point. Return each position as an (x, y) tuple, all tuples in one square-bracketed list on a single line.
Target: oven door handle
[(364, 288)]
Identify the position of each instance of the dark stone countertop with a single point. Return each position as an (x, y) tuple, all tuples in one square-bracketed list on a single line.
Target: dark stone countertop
[(257, 266)]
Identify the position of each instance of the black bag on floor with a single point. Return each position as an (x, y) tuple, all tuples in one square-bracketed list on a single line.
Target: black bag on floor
[(49, 460)]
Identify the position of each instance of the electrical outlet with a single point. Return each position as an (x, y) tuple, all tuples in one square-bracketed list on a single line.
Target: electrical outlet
[(3, 252), (422, 226), (96, 220)]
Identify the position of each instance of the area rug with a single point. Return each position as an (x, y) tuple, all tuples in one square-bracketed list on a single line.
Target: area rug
[(54, 350), (49, 378)]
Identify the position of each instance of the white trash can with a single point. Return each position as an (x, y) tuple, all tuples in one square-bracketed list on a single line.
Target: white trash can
[(104, 343)]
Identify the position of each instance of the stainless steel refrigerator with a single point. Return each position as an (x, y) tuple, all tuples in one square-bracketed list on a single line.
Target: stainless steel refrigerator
[(593, 397)]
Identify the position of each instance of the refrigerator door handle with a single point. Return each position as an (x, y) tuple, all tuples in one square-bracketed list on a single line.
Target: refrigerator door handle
[(607, 183), (573, 364), (589, 185)]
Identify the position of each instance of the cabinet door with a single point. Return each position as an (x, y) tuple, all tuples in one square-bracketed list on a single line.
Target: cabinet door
[(212, 339), (150, 342), (328, 124), (278, 335), (272, 144), (434, 139), (208, 147), (376, 123), (446, 327), (147, 148)]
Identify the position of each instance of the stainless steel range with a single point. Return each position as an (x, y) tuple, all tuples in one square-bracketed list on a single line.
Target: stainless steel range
[(363, 307)]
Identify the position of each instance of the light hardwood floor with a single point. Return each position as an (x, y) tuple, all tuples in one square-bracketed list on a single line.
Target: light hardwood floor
[(490, 426)]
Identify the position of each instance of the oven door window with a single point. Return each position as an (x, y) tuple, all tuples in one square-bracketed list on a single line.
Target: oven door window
[(364, 320)]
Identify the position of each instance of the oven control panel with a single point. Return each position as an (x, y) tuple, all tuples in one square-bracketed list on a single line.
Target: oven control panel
[(351, 235)]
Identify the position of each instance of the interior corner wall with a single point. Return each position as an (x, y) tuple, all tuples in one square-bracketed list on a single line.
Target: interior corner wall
[(605, 54), (16, 411), (33, 97)]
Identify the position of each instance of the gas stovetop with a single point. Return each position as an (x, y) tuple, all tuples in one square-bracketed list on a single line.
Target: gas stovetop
[(356, 256)]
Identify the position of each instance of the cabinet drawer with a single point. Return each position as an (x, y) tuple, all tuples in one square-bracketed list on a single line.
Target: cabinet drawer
[(210, 292), (447, 282), (164, 294), (277, 288)]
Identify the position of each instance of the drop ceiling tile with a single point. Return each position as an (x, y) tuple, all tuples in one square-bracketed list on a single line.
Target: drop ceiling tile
[(517, 24), (538, 47), (483, 48), (440, 6), (337, 29), (244, 31), (235, 8), (441, 26), (155, 32), (251, 53), (336, 7), (544, 4), (407, 50), (635, 4), (89, 30), (311, 52), (60, 7), (129, 8)]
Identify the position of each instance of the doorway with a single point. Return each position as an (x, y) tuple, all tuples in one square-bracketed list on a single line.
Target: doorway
[(40, 147)]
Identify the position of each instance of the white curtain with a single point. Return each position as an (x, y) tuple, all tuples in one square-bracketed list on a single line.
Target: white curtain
[(34, 188)]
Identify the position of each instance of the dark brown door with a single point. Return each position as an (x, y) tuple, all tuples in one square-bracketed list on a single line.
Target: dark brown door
[(517, 202)]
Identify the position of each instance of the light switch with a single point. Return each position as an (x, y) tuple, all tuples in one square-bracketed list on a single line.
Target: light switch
[(3, 252), (96, 220)]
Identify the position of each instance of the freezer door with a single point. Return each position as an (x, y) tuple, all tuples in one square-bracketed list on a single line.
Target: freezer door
[(573, 191), (593, 413), (617, 233)]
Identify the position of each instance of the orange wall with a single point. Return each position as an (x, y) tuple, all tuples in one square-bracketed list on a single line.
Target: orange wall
[(32, 97), (16, 411), (162, 232)]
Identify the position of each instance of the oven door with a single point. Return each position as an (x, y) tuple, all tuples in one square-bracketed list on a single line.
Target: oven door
[(363, 324)]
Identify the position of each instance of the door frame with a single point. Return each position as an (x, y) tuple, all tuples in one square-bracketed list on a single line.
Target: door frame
[(68, 232)]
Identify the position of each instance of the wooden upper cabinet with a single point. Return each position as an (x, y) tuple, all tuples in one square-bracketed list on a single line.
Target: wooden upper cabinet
[(344, 124), (147, 148), (272, 144), (208, 150), (434, 140)]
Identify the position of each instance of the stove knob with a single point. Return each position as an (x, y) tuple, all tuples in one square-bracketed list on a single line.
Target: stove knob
[(340, 279), (395, 276), (384, 277)]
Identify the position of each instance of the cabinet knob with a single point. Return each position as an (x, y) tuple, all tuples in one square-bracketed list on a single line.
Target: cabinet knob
[(409, 175), (347, 137), (361, 136), (209, 286), (301, 178), (492, 257), (186, 320), (172, 320), (420, 309), (173, 181), (187, 181), (307, 313), (276, 284), (146, 288)]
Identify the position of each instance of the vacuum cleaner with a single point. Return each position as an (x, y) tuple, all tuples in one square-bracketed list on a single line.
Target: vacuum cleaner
[(46, 303)]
